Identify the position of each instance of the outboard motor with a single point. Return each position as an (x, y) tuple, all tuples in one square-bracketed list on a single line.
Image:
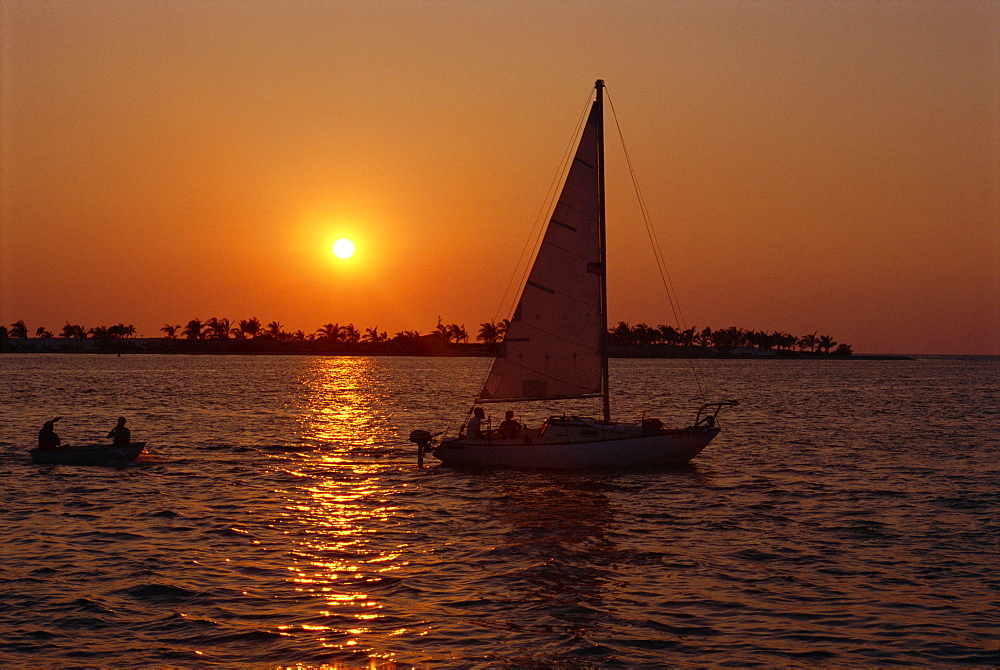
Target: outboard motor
[(423, 441)]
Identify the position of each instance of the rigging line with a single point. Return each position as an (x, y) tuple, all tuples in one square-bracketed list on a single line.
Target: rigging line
[(672, 297), (523, 265), (531, 245)]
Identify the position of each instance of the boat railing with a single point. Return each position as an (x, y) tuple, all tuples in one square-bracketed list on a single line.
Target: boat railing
[(708, 414)]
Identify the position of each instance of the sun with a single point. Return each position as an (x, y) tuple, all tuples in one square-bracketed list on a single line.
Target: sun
[(343, 248)]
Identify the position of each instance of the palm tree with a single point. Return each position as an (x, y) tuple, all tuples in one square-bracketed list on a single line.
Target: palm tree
[(350, 334), (488, 332), (219, 329), (249, 328), (407, 335), (825, 342), (170, 331), (643, 334), (329, 332), (71, 331), (41, 331), (703, 338), (668, 334), (785, 340), (19, 330), (275, 331), (442, 330), (726, 339), (194, 330), (621, 334), (372, 335), (808, 342), (458, 333), (100, 333)]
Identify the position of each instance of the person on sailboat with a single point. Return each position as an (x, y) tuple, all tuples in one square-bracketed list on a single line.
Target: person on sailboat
[(121, 435), (474, 429), (508, 427), (47, 438)]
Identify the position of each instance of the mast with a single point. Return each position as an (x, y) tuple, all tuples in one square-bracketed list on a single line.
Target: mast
[(606, 392)]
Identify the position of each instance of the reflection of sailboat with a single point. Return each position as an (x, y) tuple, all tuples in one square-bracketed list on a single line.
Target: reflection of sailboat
[(555, 348)]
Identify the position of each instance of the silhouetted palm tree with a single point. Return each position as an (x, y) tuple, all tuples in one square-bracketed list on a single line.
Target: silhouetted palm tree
[(18, 330), (373, 335), (274, 330), (442, 330), (643, 334), (350, 334), (329, 332), (218, 329), (825, 342), (100, 333), (73, 331), (407, 335), (458, 333), (620, 334), (170, 331), (669, 335), (488, 332), (194, 330), (249, 328)]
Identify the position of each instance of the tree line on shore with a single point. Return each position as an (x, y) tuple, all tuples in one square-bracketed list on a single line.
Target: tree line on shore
[(622, 334)]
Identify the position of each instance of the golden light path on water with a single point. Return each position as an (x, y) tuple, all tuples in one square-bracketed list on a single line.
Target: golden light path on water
[(345, 410)]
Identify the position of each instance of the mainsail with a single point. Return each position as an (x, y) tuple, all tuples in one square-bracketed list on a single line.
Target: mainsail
[(552, 348)]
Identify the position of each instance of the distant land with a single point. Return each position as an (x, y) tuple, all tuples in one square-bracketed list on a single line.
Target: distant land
[(250, 336), (426, 345)]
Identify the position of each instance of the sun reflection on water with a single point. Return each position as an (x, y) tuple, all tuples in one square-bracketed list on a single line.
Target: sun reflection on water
[(345, 402), (343, 506)]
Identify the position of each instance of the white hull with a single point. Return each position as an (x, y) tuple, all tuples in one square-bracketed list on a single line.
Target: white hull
[(670, 448)]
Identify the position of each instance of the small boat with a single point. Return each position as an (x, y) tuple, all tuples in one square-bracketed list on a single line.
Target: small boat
[(89, 454), (555, 348)]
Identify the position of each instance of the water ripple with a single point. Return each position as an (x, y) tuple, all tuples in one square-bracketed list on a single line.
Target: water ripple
[(280, 521)]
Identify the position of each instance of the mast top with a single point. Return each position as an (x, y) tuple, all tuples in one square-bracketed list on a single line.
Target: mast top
[(599, 84)]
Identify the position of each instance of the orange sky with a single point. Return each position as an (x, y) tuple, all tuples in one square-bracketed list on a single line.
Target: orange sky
[(809, 166)]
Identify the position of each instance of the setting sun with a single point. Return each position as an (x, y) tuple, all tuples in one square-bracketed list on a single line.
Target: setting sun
[(343, 248)]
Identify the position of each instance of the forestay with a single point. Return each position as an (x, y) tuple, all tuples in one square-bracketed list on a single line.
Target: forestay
[(552, 348)]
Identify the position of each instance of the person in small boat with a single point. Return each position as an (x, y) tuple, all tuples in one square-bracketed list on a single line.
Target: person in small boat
[(121, 436), (474, 429), (47, 438), (508, 427)]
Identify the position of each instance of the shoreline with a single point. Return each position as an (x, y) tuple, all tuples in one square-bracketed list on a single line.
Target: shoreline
[(424, 346)]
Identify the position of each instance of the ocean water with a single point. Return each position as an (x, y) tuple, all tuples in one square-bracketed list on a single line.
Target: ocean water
[(848, 515)]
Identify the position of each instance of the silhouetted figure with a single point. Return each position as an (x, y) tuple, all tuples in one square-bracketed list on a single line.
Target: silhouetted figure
[(475, 426), (47, 438), (508, 427), (121, 435)]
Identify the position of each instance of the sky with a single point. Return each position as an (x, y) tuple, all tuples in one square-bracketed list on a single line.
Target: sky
[(829, 167)]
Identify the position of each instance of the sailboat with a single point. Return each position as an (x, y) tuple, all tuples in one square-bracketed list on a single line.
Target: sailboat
[(555, 348)]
